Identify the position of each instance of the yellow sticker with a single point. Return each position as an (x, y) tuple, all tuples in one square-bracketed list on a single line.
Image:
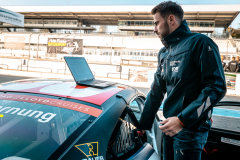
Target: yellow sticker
[(1, 115), (88, 149)]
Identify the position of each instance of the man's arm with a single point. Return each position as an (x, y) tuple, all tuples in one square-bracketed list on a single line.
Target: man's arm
[(154, 99), (238, 65), (213, 84)]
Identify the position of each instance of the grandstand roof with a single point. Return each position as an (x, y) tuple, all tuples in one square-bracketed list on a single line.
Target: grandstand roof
[(223, 15), (236, 31)]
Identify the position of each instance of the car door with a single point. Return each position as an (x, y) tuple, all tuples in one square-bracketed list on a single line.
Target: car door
[(126, 142), (154, 136)]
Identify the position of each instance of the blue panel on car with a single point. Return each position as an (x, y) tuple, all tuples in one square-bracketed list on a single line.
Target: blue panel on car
[(226, 112)]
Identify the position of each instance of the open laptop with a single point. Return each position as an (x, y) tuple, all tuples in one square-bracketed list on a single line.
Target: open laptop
[(82, 73)]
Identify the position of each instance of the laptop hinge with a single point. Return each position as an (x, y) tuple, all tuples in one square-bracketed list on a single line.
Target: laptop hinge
[(85, 80)]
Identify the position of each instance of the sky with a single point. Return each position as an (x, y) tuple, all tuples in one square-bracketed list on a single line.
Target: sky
[(111, 2), (235, 23)]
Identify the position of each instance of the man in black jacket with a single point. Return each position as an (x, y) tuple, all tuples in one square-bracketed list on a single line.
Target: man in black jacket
[(191, 73), (232, 65)]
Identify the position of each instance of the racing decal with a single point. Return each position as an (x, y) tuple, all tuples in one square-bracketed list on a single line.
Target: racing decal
[(45, 117), (230, 141), (99, 98), (65, 89), (90, 150), (1, 116), (27, 85), (54, 102)]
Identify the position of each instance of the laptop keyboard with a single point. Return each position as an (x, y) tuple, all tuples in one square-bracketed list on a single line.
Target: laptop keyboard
[(94, 82)]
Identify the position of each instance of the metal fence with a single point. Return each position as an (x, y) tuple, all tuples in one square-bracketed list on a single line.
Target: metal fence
[(60, 67)]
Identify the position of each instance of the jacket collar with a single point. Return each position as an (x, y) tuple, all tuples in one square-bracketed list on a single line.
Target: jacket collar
[(181, 32)]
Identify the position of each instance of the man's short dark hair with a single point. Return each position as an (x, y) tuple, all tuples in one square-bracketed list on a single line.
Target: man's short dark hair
[(167, 8)]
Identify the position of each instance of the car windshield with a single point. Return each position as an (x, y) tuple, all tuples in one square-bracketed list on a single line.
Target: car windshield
[(34, 130)]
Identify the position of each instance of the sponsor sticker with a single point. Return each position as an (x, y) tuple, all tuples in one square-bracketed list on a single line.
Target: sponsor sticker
[(40, 115), (53, 102), (230, 141), (90, 150)]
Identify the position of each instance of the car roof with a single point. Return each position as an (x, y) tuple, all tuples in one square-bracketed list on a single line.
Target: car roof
[(63, 88)]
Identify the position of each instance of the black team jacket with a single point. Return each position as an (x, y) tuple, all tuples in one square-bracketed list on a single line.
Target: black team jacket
[(190, 72)]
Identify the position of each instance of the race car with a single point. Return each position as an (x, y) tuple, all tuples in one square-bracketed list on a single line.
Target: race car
[(58, 119)]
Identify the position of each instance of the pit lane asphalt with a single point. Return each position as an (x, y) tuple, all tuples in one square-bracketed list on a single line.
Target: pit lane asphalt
[(218, 155), (8, 78)]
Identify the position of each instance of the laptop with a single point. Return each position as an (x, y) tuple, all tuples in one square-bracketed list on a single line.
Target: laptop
[(82, 74)]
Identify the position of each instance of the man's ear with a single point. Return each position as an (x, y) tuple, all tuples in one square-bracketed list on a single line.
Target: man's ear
[(171, 20)]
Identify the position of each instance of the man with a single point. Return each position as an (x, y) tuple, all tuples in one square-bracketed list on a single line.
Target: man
[(232, 65), (223, 63), (238, 64), (190, 72)]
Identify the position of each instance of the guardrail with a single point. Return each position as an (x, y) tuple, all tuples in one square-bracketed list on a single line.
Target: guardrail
[(120, 73), (62, 70), (4, 65), (33, 67), (100, 70), (69, 71)]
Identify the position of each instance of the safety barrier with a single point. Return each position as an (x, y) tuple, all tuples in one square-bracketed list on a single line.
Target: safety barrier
[(34, 68), (64, 71), (120, 73), (59, 66), (4, 65)]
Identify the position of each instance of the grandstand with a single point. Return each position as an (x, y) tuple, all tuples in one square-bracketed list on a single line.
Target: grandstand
[(101, 48), (222, 42), (109, 33), (131, 19)]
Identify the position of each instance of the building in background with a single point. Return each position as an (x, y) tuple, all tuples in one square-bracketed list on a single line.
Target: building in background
[(124, 20)]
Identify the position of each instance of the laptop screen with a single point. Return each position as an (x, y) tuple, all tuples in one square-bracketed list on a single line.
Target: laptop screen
[(79, 68)]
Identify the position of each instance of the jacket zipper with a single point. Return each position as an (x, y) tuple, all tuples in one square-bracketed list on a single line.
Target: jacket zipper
[(167, 69), (167, 62)]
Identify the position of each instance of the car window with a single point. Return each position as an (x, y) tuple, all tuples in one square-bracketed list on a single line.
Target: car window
[(33, 130), (137, 105), (124, 138)]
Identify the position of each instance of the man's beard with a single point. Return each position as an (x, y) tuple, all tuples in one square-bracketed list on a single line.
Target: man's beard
[(165, 31)]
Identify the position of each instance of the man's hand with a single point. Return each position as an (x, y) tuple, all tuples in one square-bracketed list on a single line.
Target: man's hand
[(171, 126)]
